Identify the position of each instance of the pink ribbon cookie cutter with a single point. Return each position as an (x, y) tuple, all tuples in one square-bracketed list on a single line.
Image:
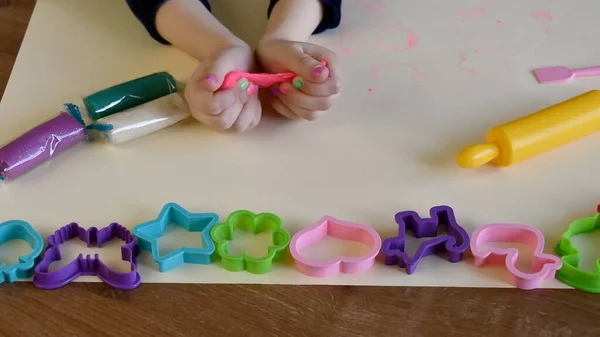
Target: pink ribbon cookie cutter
[(544, 265), (330, 226)]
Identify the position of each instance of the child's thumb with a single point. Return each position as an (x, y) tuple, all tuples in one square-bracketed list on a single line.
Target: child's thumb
[(310, 68), (214, 76)]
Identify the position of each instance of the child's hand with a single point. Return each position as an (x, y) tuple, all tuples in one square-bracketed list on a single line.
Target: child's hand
[(313, 90), (237, 108)]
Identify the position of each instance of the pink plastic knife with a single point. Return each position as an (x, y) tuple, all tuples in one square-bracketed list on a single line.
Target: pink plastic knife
[(562, 74)]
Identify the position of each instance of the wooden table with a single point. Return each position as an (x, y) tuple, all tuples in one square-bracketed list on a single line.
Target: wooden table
[(92, 309)]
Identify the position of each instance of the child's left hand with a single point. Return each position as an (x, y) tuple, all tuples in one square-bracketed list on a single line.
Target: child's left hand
[(316, 86)]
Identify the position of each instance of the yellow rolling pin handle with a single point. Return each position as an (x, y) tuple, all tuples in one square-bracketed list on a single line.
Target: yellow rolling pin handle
[(478, 155), (536, 133)]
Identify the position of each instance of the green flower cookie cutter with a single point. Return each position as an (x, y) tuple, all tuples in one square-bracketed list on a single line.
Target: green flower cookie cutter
[(222, 235), (570, 273)]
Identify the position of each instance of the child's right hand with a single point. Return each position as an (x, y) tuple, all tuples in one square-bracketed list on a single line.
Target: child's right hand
[(315, 88), (237, 108)]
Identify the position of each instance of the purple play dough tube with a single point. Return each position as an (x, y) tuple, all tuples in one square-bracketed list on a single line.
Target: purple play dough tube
[(39, 145)]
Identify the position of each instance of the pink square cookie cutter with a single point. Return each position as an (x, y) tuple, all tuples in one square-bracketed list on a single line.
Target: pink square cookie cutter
[(544, 265), (330, 226)]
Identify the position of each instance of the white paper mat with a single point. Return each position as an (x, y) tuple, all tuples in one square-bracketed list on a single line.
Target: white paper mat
[(388, 145)]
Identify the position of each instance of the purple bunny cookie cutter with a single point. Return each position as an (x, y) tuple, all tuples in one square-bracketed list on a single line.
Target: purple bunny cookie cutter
[(455, 242), (88, 265)]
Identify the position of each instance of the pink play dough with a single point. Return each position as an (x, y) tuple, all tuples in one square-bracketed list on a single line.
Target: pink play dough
[(263, 80)]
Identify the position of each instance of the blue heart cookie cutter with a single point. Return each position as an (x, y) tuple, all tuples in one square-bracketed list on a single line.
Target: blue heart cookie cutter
[(149, 232), (20, 230)]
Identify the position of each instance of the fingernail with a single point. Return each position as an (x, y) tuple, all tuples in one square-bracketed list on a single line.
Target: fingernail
[(211, 78), (251, 89), (283, 89), (317, 71), (298, 83), (244, 84), (276, 92)]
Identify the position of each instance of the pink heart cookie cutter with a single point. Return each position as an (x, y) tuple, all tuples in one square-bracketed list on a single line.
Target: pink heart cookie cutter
[(544, 265), (330, 226)]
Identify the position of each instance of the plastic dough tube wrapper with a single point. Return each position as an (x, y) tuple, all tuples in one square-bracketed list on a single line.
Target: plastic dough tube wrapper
[(141, 120), (127, 95), (40, 144), (536, 133)]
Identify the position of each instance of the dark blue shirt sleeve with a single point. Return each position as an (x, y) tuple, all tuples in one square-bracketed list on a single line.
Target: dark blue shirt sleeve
[(145, 11)]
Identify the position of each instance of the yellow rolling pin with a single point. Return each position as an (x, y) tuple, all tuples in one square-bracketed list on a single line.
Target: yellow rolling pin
[(526, 137)]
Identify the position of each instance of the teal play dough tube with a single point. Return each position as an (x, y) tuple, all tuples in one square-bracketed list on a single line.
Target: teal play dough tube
[(129, 94)]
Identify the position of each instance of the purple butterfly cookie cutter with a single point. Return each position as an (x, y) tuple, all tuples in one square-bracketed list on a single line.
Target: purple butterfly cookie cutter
[(455, 242), (88, 266)]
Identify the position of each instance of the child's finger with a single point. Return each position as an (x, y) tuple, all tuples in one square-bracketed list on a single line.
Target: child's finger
[(296, 98), (284, 106), (246, 116), (229, 116), (211, 78), (213, 122), (222, 122), (244, 89), (331, 86), (224, 99), (282, 109), (308, 114), (203, 80), (197, 98), (324, 55), (221, 101), (307, 66), (257, 114)]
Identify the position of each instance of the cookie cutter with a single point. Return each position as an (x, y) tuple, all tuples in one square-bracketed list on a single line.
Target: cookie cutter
[(88, 265), (570, 273), (544, 265), (455, 242), (222, 234), (20, 230), (330, 226), (149, 232)]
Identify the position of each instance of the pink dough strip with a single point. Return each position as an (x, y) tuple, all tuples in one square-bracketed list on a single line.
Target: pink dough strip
[(263, 80)]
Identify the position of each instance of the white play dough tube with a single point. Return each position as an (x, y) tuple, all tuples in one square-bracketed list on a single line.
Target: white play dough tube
[(141, 120)]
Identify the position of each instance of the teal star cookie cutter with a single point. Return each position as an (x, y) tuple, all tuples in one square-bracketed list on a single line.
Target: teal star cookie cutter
[(20, 230), (570, 273), (148, 233), (222, 234)]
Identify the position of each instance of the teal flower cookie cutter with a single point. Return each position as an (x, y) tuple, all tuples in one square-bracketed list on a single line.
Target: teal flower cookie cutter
[(20, 230), (222, 234)]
